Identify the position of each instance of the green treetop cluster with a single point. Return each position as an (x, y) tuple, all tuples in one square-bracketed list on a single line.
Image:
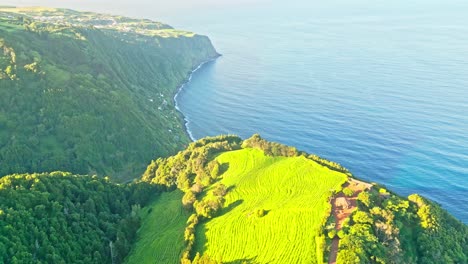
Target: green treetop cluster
[(387, 228), (63, 218)]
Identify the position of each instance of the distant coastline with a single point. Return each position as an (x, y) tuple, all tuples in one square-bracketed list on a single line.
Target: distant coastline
[(185, 120)]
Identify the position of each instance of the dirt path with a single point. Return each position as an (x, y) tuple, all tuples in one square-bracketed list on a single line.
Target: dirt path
[(342, 207), (334, 250)]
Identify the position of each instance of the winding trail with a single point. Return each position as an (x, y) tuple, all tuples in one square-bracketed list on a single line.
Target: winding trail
[(342, 207)]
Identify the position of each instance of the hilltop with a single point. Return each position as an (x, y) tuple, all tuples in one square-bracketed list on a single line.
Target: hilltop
[(253, 201), (223, 200), (90, 93)]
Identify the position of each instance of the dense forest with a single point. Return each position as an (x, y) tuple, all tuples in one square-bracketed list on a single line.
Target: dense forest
[(90, 93), (63, 218)]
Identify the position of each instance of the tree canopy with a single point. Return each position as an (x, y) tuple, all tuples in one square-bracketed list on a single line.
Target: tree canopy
[(63, 218)]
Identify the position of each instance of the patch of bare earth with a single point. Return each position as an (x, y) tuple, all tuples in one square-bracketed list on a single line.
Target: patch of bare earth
[(342, 207)]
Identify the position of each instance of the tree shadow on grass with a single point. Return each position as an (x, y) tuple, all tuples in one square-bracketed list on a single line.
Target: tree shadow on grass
[(200, 238), (230, 188), (223, 168), (230, 207), (243, 261)]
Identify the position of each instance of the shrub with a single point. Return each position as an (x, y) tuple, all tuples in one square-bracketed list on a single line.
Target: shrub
[(261, 212), (188, 200), (383, 191), (364, 198), (270, 148), (341, 234), (220, 190), (363, 218), (348, 192), (347, 256)]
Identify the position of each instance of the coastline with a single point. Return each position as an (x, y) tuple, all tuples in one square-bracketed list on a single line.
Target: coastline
[(185, 120)]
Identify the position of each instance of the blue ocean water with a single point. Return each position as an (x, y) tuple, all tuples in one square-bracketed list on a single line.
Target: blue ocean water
[(381, 89), (378, 86)]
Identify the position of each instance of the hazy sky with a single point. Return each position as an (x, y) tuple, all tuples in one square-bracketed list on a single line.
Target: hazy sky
[(147, 8), (177, 13), (189, 14)]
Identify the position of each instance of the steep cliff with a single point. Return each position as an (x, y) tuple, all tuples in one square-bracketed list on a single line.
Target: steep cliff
[(90, 93)]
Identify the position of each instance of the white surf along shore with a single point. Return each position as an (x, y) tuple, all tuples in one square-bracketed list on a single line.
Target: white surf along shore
[(176, 103)]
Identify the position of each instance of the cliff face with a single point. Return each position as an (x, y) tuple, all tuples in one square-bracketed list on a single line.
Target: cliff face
[(90, 93)]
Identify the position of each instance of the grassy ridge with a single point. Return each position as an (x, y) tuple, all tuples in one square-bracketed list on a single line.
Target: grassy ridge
[(294, 193), (161, 236)]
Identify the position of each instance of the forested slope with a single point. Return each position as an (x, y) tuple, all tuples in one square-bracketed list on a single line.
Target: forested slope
[(90, 93), (63, 218)]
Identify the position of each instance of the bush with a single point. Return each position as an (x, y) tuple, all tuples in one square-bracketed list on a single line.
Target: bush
[(348, 192), (188, 200), (362, 218), (270, 148), (220, 190), (347, 256), (383, 191), (261, 212), (364, 198), (341, 234)]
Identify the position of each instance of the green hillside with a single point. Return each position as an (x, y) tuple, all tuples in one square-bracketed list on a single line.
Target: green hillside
[(223, 200), (90, 93), (249, 195), (164, 243), (255, 201), (292, 192)]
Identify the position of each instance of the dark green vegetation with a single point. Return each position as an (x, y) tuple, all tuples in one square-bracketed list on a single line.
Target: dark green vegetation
[(387, 228), (64, 218), (90, 93), (237, 201)]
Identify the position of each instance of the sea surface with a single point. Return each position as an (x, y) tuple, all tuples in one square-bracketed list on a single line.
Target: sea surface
[(378, 86), (383, 91)]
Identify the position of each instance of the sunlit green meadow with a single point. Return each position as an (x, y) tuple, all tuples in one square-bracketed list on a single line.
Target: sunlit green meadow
[(294, 194), (161, 235)]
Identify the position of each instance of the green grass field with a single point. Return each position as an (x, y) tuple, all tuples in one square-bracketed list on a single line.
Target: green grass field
[(294, 192), (161, 235)]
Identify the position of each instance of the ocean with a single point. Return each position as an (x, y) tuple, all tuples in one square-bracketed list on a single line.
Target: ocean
[(381, 90), (378, 86)]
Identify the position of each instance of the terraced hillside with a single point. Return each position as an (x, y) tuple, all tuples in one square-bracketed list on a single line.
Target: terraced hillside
[(254, 201), (274, 210), (163, 244), (250, 200)]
